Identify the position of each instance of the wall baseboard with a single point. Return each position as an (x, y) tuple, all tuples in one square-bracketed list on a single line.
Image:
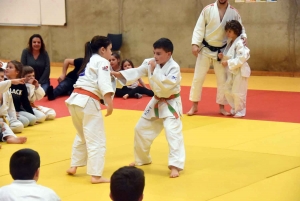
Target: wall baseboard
[(211, 71)]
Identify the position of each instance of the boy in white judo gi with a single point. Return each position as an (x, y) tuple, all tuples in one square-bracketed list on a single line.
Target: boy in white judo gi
[(35, 93), (24, 167), (235, 58), (163, 110), (8, 119), (208, 40)]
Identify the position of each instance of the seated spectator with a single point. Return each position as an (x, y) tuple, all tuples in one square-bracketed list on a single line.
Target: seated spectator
[(127, 184), (19, 93), (115, 61), (134, 90), (36, 56), (24, 167), (66, 82), (35, 93)]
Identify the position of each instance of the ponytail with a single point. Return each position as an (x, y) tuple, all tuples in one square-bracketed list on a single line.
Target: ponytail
[(92, 47), (87, 55)]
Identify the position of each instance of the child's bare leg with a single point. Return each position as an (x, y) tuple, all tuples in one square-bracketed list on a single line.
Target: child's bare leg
[(194, 109), (15, 140), (72, 170), (99, 179), (125, 96), (223, 111), (174, 172)]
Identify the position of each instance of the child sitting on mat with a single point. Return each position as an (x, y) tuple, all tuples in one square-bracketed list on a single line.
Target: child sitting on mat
[(133, 90), (35, 93)]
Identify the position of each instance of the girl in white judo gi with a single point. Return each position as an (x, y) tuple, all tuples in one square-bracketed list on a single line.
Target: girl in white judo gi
[(208, 40), (163, 110), (94, 83), (35, 93), (234, 58)]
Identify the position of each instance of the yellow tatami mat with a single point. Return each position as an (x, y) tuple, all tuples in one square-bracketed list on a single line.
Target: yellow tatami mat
[(226, 160)]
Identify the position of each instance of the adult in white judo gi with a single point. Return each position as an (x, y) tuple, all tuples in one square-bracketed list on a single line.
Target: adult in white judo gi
[(24, 167), (208, 39), (94, 83), (234, 58), (163, 110)]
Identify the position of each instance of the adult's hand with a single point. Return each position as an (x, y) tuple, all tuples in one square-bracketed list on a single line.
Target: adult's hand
[(195, 50)]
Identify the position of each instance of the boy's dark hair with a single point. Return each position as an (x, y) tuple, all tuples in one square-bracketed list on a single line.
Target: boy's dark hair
[(92, 47), (2, 70), (24, 164), (127, 184), (129, 61), (165, 44), (43, 48), (235, 26), (27, 70), (19, 67)]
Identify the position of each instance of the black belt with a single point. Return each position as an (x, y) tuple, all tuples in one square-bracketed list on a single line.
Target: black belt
[(212, 48)]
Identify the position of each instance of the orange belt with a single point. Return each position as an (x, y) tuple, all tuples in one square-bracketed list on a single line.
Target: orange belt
[(86, 92)]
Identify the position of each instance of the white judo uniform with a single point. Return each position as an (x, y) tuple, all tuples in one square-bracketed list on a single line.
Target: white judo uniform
[(90, 143), (8, 113), (239, 71), (165, 82), (23, 190), (42, 113), (209, 28)]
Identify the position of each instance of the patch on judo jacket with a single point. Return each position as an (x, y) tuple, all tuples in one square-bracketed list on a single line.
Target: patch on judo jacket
[(105, 68)]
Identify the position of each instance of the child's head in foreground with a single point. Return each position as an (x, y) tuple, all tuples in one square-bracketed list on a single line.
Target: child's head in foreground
[(127, 184), (24, 165)]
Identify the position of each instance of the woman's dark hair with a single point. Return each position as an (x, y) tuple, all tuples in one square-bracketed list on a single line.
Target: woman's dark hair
[(92, 47), (129, 61), (18, 66), (235, 26), (43, 48)]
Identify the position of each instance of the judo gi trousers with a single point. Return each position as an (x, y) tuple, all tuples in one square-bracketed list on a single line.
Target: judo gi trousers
[(90, 143), (6, 131), (202, 66), (236, 92), (147, 130)]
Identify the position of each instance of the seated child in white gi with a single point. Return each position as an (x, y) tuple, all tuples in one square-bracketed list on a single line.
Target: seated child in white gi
[(163, 110), (24, 167), (94, 83), (133, 90), (36, 92), (235, 58), (8, 119)]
